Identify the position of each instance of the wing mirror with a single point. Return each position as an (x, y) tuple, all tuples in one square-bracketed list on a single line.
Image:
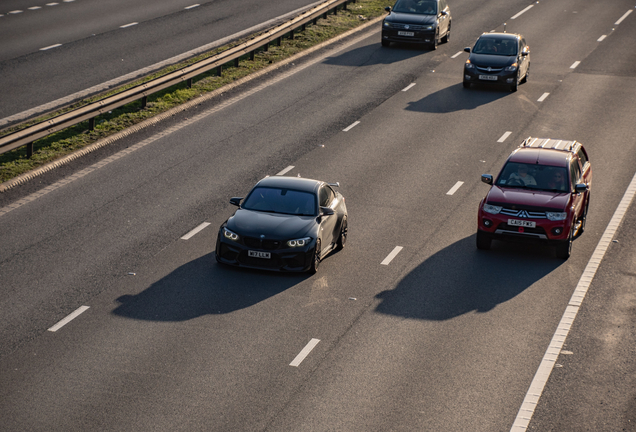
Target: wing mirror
[(486, 178), (326, 211), (467, 49), (580, 188), (388, 9), (236, 201)]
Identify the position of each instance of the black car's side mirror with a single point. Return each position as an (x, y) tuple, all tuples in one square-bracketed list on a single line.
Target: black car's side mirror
[(388, 8), (524, 53), (443, 13), (580, 188), (236, 201), (326, 211), (467, 49), (486, 178)]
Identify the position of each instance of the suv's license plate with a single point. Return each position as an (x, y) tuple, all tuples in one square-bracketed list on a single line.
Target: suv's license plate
[(522, 223), (257, 254), (401, 33), (488, 77)]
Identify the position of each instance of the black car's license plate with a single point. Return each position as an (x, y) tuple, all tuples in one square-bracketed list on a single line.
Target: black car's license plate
[(403, 33), (488, 77), (258, 254)]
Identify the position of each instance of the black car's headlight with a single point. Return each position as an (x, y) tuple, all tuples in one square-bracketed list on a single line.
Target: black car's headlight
[(511, 68), (386, 24), (299, 242), (469, 65), (428, 27), (230, 235)]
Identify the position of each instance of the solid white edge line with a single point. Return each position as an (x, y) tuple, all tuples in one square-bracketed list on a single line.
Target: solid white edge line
[(69, 318), (620, 20), (575, 64), (540, 379), (601, 38), (455, 188), (543, 97), (286, 170), (351, 126), (49, 47), (457, 55), (522, 12), (195, 231), (305, 352), (408, 87), (396, 250), (129, 25), (504, 136)]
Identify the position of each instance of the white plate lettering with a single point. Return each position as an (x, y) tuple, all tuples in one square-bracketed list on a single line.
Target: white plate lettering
[(522, 223)]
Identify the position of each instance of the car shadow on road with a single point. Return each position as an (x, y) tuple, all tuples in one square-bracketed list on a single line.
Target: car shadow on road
[(202, 287), (461, 279), (375, 54), (457, 98)]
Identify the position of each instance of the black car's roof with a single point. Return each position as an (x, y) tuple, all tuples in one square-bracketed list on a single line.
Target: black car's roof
[(296, 183)]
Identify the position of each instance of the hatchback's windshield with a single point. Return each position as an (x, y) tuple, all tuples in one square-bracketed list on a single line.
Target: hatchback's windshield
[(413, 6), (496, 46), (285, 201), (532, 176)]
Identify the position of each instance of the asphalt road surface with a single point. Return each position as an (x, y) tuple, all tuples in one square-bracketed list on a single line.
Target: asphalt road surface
[(114, 315)]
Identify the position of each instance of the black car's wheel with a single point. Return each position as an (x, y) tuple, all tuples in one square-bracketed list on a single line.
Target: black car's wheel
[(435, 40), (315, 262), (466, 84), (513, 87), (446, 37), (564, 249), (385, 43), (483, 241), (525, 77), (342, 239)]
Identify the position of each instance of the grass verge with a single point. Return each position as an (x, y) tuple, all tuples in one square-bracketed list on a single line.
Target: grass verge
[(67, 141)]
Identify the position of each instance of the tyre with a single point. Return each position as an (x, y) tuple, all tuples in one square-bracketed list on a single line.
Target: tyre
[(483, 241), (584, 217), (446, 37), (525, 77), (342, 239), (466, 84), (315, 262), (564, 249), (385, 43), (513, 88), (435, 41)]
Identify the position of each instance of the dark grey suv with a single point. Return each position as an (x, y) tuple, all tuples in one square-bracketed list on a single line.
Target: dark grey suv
[(423, 22)]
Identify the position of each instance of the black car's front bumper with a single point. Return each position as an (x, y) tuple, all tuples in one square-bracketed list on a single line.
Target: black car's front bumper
[(502, 77), (419, 36), (282, 258)]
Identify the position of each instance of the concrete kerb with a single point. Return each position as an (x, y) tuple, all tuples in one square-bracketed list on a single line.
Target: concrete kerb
[(160, 117)]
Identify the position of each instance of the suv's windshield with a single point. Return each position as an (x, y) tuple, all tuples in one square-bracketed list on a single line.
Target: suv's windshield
[(532, 176), (418, 7), (285, 201), (496, 46)]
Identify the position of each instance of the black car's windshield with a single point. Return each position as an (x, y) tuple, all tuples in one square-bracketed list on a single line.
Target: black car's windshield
[(496, 46), (418, 7), (533, 176), (287, 201)]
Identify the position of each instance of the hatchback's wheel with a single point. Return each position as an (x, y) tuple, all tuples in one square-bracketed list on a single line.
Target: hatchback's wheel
[(564, 249), (342, 240), (513, 87), (525, 77), (315, 262), (483, 241)]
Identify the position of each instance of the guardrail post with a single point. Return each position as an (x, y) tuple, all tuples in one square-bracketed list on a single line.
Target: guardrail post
[(344, 6), (303, 27), (189, 82), (291, 34), (315, 21), (236, 62), (91, 123), (252, 55), (144, 102), (324, 16), (29, 149), (266, 47), (279, 41), (219, 70), (335, 10)]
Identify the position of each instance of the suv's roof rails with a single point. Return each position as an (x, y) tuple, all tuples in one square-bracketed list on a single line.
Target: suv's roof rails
[(549, 143)]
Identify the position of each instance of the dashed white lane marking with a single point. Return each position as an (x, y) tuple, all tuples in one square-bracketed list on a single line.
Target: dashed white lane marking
[(351, 126), (49, 47), (305, 352), (623, 17), (15, 12), (504, 136), (392, 255), (454, 188), (35, 7), (286, 170), (129, 25), (192, 7), (531, 400), (543, 97), (195, 231), (601, 38), (52, 4), (522, 12), (458, 54), (408, 87), (68, 319), (575, 64)]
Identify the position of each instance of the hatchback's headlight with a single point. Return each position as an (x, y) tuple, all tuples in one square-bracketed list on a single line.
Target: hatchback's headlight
[(230, 235), (556, 216), (511, 68), (387, 24), (298, 242), (488, 208), (469, 65)]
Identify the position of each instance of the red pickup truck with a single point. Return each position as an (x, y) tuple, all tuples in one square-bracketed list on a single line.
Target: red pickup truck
[(542, 193)]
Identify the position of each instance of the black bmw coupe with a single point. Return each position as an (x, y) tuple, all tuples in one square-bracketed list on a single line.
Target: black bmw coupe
[(284, 224)]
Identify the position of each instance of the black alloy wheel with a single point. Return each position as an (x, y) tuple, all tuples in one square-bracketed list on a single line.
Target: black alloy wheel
[(513, 87), (342, 239), (446, 38), (435, 40), (315, 262)]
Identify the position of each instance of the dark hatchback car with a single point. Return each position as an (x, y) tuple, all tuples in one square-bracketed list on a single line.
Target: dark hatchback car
[(498, 58), (422, 22), (541, 194), (284, 224)]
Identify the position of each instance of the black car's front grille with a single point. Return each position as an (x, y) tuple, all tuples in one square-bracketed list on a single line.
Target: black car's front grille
[(265, 244), (488, 69), (412, 27), (524, 214)]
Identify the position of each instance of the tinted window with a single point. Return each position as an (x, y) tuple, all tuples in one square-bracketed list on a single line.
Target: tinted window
[(496, 46), (286, 201), (326, 196), (533, 176), (575, 173), (426, 7), (582, 156)]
